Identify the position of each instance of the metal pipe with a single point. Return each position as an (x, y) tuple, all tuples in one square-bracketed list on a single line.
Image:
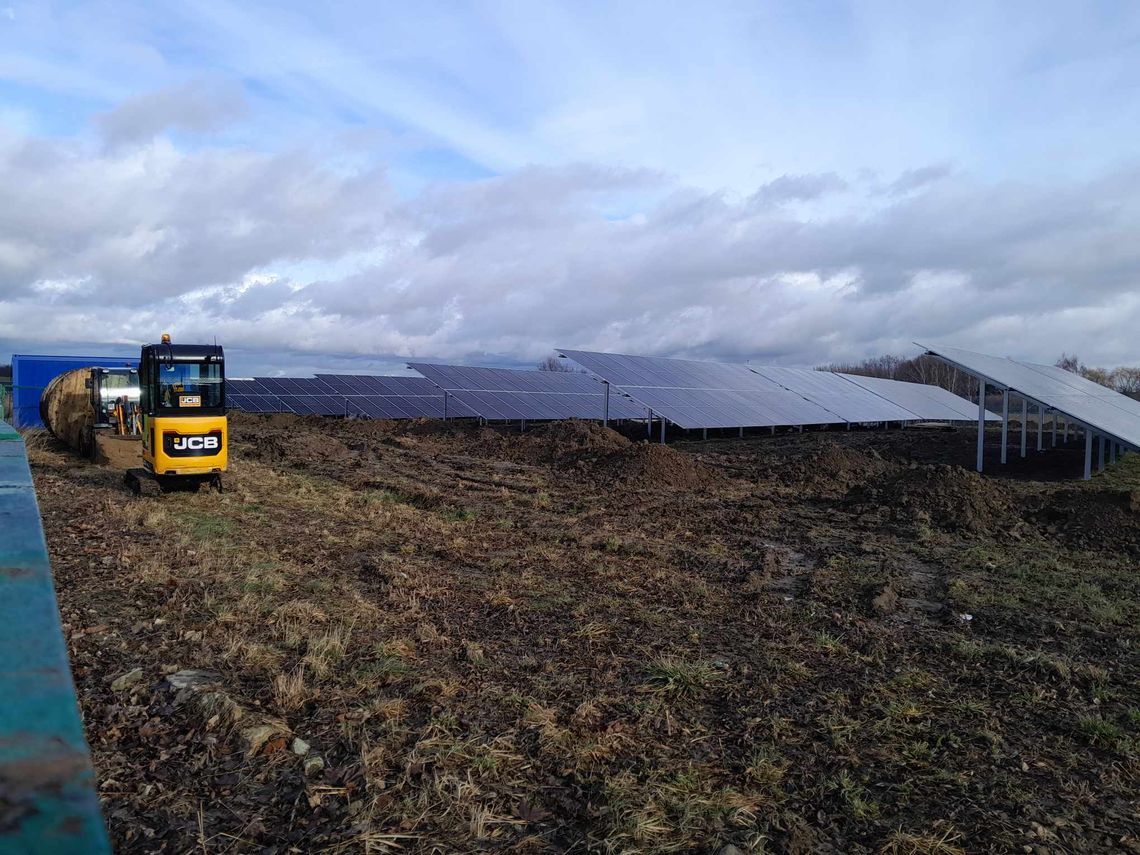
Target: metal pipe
[(981, 420), (1004, 424), (1025, 423)]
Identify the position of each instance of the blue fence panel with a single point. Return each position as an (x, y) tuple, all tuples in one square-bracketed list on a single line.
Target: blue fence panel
[(47, 785)]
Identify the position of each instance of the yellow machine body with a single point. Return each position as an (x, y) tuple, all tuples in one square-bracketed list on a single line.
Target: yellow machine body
[(185, 445)]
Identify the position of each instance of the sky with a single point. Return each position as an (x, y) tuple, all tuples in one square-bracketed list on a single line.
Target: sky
[(347, 186)]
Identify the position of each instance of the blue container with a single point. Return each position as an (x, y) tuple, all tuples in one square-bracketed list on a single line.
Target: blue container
[(31, 375)]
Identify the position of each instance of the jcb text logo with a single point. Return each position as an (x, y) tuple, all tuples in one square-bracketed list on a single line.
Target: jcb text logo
[(192, 445), (196, 443)]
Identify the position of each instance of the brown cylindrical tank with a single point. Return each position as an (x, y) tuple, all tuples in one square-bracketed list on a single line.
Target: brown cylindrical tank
[(65, 407)]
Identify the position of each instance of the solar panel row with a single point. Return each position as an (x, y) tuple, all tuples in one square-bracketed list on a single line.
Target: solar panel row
[(500, 394), (708, 394), (932, 403), (342, 395), (1098, 408), (695, 394), (850, 401)]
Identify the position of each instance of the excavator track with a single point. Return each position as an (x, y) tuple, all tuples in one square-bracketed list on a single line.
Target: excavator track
[(143, 482)]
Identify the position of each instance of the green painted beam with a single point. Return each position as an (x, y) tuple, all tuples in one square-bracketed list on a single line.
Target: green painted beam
[(48, 802)]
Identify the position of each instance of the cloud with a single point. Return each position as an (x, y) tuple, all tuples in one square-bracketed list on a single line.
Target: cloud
[(915, 179), (798, 188), (152, 221), (297, 262), (196, 107)]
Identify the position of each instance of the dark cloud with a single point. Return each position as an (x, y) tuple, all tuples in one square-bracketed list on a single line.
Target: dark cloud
[(798, 188)]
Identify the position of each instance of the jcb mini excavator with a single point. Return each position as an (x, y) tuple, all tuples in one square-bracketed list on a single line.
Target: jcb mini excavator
[(182, 401)]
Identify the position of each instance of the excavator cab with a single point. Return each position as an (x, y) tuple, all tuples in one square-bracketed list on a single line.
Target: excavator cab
[(115, 400), (183, 405)]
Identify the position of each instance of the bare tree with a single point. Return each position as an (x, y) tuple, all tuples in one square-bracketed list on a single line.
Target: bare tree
[(555, 363), (1070, 362), (1126, 381)]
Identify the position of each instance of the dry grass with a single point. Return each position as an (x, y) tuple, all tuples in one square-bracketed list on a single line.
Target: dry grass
[(488, 654)]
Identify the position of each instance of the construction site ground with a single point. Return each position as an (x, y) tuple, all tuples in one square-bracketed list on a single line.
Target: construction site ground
[(416, 637)]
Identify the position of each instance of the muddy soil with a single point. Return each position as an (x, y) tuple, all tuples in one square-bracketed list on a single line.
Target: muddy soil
[(428, 637)]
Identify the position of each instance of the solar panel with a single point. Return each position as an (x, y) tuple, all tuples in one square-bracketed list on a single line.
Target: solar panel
[(927, 402), (339, 395), (850, 402), (504, 394), (694, 394), (1098, 408)]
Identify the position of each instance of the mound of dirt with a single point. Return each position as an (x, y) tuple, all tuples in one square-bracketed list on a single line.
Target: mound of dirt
[(834, 469), (951, 497), (574, 437), (1102, 518), (650, 466)]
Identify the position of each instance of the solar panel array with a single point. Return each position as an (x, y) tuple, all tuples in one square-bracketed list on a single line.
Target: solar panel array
[(850, 401), (1097, 407), (500, 394), (929, 403), (341, 395), (695, 394)]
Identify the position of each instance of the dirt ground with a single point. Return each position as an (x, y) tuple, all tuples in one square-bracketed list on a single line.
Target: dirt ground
[(427, 637)]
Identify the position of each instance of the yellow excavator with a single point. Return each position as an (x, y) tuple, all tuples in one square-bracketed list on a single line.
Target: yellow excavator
[(182, 404)]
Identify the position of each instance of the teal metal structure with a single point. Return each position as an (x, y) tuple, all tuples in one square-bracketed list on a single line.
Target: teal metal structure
[(48, 803)]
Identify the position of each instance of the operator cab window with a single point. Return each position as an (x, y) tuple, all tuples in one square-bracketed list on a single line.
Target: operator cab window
[(183, 385)]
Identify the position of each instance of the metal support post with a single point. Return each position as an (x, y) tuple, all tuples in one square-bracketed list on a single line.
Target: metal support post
[(1040, 427), (445, 406), (662, 430), (1025, 424), (1088, 455), (1112, 453), (1004, 424), (1100, 454), (704, 433), (981, 420), (649, 425), (742, 432), (606, 405), (1053, 424)]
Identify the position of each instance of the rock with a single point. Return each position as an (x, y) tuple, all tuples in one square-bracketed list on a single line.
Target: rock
[(127, 680), (300, 747), (729, 849), (886, 602), (314, 765), (193, 678), (257, 737)]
